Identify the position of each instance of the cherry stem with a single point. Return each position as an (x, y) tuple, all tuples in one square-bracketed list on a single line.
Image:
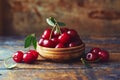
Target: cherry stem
[(10, 65), (51, 32), (85, 63), (58, 27)]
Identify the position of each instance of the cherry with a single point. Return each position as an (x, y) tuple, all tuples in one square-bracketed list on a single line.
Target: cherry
[(64, 38), (91, 56), (72, 33), (28, 57), (34, 52), (41, 41), (60, 45), (72, 44), (18, 56), (55, 41), (64, 30), (95, 50), (48, 43), (46, 34), (104, 55), (56, 34)]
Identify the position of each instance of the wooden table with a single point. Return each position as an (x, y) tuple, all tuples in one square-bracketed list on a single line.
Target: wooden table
[(45, 70)]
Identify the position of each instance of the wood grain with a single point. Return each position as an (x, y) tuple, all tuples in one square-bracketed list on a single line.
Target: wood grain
[(46, 70)]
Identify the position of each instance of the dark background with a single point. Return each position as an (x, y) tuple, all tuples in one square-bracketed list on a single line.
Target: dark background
[(99, 18)]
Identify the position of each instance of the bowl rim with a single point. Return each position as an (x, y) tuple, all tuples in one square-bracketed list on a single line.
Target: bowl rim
[(69, 48)]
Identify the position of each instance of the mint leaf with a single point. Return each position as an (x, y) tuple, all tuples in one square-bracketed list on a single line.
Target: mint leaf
[(61, 24), (28, 41), (34, 42)]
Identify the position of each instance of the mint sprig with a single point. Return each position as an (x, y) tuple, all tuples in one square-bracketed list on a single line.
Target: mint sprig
[(30, 40)]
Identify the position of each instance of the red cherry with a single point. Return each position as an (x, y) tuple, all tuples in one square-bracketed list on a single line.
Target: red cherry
[(48, 43), (28, 58), (34, 52), (60, 45), (64, 38), (95, 50), (91, 56), (72, 33), (41, 42), (55, 41), (72, 44), (104, 55), (18, 56), (56, 34), (64, 30), (46, 34)]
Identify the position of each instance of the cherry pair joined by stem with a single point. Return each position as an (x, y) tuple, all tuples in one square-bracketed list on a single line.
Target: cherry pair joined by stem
[(28, 57), (97, 54)]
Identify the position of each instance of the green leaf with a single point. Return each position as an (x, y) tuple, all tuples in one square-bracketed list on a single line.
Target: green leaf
[(61, 24), (50, 22), (28, 41), (53, 20), (34, 42)]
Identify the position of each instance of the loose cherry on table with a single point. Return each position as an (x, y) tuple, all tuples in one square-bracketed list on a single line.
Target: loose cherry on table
[(104, 55), (29, 57), (18, 56), (97, 54), (92, 56)]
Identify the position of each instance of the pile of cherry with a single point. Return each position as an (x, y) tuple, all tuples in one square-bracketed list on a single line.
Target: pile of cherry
[(28, 57), (97, 55), (60, 38)]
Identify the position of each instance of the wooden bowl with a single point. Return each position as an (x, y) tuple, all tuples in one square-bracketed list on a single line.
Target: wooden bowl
[(61, 54)]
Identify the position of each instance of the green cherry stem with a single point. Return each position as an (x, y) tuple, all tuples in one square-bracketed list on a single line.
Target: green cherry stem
[(85, 63), (58, 27), (10, 66), (51, 32)]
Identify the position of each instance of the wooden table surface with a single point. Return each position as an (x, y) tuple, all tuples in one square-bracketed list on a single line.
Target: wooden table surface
[(46, 70)]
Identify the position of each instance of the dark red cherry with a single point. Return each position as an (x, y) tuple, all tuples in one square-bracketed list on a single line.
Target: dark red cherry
[(64, 30), (72, 33), (64, 38), (34, 52), (95, 50), (48, 43), (55, 41), (28, 58), (60, 45), (72, 44), (56, 34), (41, 41), (91, 56), (46, 34), (18, 56), (103, 55)]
